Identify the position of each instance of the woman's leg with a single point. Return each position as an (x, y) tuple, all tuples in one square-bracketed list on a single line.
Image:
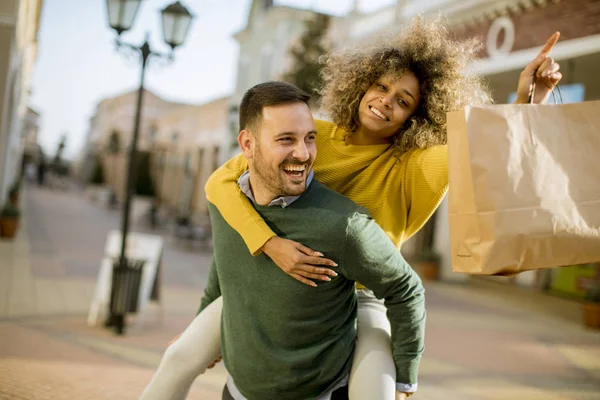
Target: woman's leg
[(189, 356), (373, 374)]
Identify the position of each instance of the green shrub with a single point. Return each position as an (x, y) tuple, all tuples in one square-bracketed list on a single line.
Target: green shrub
[(593, 291), (97, 177), (10, 211), (15, 188), (429, 255)]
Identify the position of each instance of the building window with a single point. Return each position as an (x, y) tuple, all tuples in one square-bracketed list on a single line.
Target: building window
[(200, 163), (233, 117), (187, 164), (152, 132), (215, 158)]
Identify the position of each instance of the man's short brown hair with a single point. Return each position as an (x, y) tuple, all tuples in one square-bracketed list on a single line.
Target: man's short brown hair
[(266, 94)]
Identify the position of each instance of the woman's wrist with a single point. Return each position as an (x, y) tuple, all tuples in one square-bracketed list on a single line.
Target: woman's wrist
[(268, 246)]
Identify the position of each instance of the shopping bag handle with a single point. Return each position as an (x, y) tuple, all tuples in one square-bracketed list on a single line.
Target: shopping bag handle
[(553, 95)]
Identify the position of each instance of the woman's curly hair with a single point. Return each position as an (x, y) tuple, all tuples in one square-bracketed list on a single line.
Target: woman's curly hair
[(426, 49)]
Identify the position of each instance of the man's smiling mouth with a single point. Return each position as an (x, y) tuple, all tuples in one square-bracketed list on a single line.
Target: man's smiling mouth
[(295, 170)]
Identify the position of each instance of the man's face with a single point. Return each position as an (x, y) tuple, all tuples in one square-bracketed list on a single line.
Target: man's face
[(283, 151)]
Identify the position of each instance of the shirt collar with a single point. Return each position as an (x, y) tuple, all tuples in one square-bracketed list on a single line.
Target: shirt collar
[(283, 201)]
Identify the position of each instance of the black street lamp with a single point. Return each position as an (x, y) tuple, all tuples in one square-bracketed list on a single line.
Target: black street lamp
[(176, 21)]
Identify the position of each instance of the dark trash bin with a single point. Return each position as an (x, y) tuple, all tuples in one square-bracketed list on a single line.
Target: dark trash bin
[(124, 294)]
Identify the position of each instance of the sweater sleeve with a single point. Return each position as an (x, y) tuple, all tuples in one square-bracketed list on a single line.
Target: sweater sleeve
[(213, 287), (425, 185), (372, 259), (223, 191)]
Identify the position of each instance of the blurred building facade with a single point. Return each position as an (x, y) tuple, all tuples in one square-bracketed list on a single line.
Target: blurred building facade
[(115, 116), (264, 49), (185, 144), (19, 24), (191, 142), (265, 42)]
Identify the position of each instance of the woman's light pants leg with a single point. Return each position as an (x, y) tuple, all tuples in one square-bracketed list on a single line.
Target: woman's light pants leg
[(197, 347), (373, 374)]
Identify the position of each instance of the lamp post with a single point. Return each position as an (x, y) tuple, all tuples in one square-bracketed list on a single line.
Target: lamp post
[(176, 20)]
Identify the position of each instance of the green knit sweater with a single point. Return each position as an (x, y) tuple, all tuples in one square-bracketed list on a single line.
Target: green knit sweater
[(286, 340)]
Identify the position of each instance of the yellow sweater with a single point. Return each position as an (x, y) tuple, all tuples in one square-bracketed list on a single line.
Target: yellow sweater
[(401, 193)]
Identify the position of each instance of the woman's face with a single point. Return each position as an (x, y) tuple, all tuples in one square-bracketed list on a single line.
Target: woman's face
[(387, 105)]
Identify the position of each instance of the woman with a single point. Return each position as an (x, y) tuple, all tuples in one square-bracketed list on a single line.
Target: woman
[(385, 149)]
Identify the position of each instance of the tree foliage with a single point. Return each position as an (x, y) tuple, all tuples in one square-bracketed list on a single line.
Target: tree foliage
[(306, 70), (61, 148)]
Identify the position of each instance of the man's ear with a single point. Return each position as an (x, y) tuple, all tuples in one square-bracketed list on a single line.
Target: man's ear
[(246, 142)]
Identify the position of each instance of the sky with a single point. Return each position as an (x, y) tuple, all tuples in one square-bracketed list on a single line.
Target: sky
[(78, 65)]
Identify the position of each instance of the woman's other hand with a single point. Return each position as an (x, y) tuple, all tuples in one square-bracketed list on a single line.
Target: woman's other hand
[(212, 364), (174, 340), (299, 261), (546, 73)]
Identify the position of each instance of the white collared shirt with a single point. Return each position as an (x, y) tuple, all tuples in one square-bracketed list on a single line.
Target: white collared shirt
[(283, 201)]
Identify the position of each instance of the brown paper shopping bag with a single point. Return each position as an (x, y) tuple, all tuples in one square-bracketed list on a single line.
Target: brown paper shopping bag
[(524, 187)]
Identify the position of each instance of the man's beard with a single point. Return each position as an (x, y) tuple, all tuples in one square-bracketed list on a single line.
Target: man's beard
[(273, 179)]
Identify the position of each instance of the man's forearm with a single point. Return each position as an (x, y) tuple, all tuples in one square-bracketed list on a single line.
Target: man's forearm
[(378, 264)]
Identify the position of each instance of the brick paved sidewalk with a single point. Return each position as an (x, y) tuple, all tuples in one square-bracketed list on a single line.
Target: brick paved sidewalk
[(478, 347), (61, 358)]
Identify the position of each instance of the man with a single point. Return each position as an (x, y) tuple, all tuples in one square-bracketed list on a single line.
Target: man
[(280, 338)]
